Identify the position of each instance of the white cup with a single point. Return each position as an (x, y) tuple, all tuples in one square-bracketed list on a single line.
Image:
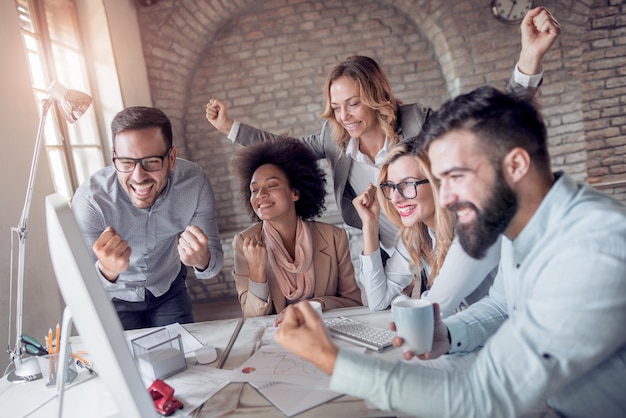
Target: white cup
[(317, 306), (415, 323)]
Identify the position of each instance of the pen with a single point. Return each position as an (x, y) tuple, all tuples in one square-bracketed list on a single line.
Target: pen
[(89, 369), (58, 335)]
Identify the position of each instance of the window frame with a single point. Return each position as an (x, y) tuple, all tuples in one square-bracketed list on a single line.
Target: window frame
[(63, 143)]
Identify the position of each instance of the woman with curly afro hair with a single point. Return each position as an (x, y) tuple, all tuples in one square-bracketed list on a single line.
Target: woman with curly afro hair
[(287, 256)]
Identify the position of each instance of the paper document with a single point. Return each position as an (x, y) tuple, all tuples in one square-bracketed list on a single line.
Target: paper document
[(292, 384), (196, 385), (273, 363), (308, 387), (294, 399)]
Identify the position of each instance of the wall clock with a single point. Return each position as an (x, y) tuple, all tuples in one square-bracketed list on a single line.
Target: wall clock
[(510, 11)]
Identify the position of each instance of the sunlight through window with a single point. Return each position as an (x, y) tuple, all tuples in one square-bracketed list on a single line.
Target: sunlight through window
[(52, 44)]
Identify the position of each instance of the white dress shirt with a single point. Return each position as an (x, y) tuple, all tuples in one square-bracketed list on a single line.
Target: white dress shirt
[(552, 326), (459, 277)]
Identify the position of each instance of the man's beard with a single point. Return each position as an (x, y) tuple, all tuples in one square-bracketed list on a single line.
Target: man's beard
[(478, 236)]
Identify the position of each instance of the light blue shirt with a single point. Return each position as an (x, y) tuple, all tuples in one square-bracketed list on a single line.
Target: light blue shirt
[(151, 233), (553, 325)]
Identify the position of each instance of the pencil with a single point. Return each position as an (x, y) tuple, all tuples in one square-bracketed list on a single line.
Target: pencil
[(81, 359), (57, 338), (229, 346), (49, 342)]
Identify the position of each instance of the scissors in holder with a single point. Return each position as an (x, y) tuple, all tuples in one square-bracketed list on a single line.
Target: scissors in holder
[(32, 346)]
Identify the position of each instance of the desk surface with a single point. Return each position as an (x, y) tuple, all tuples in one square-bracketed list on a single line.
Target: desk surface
[(33, 399), (242, 400)]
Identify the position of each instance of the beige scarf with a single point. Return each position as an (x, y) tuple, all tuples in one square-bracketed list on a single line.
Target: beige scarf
[(296, 278)]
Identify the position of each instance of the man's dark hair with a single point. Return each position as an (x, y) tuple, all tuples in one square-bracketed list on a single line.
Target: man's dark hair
[(500, 121), (293, 158), (140, 117)]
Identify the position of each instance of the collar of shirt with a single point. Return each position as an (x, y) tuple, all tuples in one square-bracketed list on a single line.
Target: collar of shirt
[(549, 211), (352, 151)]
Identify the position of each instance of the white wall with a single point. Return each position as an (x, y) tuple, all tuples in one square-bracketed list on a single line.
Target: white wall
[(112, 45), (19, 119), (127, 51)]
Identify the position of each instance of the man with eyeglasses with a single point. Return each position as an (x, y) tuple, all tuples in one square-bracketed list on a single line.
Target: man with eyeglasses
[(147, 218)]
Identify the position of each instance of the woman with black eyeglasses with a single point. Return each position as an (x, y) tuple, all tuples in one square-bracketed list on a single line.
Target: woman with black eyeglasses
[(427, 261)]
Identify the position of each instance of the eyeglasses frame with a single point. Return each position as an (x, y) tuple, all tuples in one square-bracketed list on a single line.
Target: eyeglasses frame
[(139, 160), (394, 186)]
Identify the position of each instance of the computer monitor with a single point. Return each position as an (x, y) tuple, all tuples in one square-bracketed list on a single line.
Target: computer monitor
[(92, 312)]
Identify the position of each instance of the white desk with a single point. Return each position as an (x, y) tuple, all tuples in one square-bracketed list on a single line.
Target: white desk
[(86, 393), (242, 400), (33, 399)]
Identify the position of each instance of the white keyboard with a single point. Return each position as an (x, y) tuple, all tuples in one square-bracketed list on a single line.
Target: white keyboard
[(360, 333)]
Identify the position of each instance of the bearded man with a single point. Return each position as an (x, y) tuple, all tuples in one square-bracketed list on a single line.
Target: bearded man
[(551, 328)]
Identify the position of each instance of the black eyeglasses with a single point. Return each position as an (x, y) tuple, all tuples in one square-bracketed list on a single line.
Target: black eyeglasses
[(407, 189), (127, 165)]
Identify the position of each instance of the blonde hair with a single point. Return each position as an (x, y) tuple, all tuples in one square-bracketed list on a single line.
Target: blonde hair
[(375, 92), (416, 238)]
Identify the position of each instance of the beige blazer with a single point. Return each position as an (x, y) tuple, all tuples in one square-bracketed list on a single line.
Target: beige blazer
[(335, 283)]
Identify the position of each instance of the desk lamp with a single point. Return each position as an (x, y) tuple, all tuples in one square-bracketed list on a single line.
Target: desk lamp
[(72, 104)]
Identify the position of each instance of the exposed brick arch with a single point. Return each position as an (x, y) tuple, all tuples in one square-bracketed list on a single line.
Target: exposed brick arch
[(268, 61), (270, 71), (178, 33), (175, 34), (271, 76), (431, 18)]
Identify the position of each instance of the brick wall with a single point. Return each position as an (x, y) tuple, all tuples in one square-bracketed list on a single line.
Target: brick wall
[(268, 59), (604, 90)]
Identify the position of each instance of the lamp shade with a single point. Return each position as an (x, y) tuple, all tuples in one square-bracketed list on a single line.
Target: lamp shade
[(71, 103)]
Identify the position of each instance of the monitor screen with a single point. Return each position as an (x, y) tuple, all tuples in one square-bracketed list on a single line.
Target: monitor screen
[(92, 312)]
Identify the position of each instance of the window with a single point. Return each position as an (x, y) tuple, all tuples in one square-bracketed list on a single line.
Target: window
[(51, 38)]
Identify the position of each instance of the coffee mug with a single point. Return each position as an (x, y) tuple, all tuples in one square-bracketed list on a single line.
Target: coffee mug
[(415, 323)]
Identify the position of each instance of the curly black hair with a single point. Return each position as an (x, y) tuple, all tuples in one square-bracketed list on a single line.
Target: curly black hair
[(296, 161)]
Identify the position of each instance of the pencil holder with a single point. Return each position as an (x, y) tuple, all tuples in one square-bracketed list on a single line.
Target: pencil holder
[(49, 365)]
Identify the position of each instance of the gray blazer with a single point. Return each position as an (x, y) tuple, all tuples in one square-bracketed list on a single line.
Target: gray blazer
[(411, 118)]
